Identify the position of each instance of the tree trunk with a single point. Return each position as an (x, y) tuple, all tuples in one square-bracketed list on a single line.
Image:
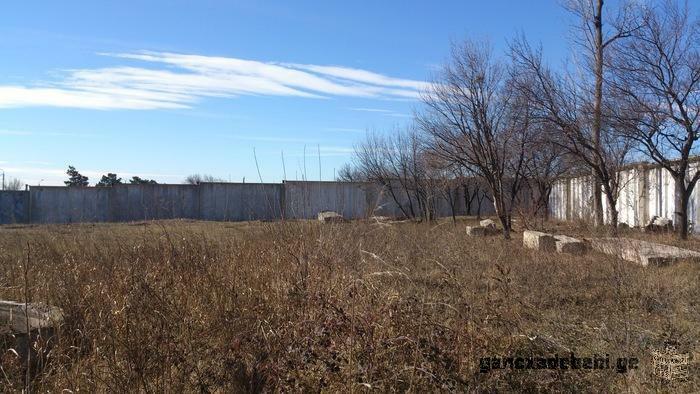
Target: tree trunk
[(597, 111), (546, 204), (503, 217), (396, 200), (681, 197), (467, 200), (478, 207), (612, 211), (453, 202), (410, 202)]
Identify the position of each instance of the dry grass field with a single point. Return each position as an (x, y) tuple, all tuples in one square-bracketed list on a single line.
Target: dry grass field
[(300, 306)]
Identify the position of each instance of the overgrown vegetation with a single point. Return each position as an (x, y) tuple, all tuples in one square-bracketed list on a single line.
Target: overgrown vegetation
[(299, 306)]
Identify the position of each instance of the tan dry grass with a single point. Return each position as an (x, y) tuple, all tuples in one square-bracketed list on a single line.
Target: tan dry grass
[(196, 306)]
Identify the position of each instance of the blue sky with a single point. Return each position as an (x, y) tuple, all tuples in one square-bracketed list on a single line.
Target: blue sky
[(163, 89)]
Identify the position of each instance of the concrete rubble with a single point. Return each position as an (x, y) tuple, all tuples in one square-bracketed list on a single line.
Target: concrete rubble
[(489, 225), (539, 241), (380, 219), (28, 329), (566, 244), (476, 231), (14, 319), (549, 243), (485, 227), (330, 217), (659, 224), (643, 252)]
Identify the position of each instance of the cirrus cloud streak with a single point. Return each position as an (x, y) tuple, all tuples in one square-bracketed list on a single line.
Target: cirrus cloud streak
[(163, 80)]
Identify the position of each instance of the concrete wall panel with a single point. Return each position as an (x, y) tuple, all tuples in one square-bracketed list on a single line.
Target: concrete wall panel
[(240, 201), (14, 207), (645, 192), (304, 200)]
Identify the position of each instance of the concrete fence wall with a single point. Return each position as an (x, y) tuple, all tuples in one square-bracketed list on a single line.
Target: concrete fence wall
[(304, 200), (646, 191), (14, 207), (210, 201), (113, 204), (240, 201)]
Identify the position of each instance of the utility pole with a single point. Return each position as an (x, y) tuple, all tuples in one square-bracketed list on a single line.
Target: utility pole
[(3, 179), (284, 168), (319, 162)]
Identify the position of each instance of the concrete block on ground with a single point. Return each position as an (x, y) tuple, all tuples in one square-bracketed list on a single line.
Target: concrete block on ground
[(659, 224), (42, 323), (476, 231), (539, 241), (488, 223), (489, 226), (643, 252), (565, 244), (380, 219), (330, 217), (14, 318)]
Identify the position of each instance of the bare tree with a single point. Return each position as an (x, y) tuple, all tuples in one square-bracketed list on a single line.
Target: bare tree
[(444, 181), (473, 190), (408, 167), (397, 163), (448, 188), (593, 40), (475, 119), (369, 160), (657, 81), (563, 105), (546, 162), (350, 173)]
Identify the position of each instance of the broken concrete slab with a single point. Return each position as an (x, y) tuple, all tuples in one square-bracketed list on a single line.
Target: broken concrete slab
[(380, 219), (330, 217), (29, 330), (539, 241), (15, 317), (476, 231), (566, 244), (489, 226), (659, 224), (643, 252), (488, 223)]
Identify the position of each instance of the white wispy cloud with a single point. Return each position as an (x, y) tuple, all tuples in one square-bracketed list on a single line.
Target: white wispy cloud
[(20, 96), (368, 77), (166, 80), (386, 112), (380, 110)]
